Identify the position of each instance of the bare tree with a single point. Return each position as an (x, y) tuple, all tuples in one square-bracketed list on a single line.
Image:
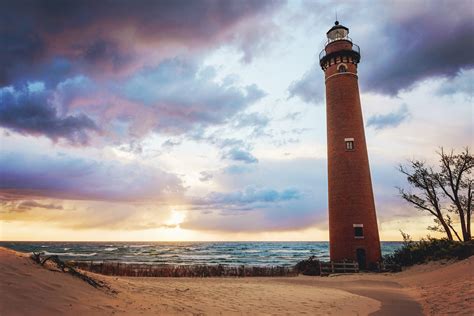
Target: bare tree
[(443, 193)]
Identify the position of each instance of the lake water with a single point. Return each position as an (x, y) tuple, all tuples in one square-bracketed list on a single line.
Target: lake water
[(188, 253)]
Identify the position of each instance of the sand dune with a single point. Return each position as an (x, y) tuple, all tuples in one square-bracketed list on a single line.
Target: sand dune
[(27, 289), (442, 288)]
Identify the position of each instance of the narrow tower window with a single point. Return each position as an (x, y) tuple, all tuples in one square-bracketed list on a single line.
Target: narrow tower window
[(349, 143), (342, 68), (358, 231)]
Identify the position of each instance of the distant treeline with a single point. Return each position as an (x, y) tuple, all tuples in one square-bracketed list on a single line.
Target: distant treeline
[(155, 270)]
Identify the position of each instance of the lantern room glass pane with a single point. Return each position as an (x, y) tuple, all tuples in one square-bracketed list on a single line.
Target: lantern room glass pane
[(339, 33)]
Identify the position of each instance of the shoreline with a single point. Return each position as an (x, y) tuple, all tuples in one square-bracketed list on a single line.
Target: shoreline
[(28, 289)]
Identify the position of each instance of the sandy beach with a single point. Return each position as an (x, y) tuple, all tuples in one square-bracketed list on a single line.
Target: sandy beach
[(433, 289)]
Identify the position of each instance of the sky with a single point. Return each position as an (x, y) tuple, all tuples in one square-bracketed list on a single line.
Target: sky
[(205, 119)]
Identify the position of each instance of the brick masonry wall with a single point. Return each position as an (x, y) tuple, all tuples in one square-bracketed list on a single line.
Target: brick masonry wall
[(350, 192)]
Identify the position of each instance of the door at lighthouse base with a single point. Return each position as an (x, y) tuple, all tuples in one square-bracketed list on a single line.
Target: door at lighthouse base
[(361, 258)]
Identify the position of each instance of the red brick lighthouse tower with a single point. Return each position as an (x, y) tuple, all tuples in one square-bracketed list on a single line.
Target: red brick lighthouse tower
[(353, 232)]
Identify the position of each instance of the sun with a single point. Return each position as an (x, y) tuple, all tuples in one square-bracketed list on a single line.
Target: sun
[(176, 218)]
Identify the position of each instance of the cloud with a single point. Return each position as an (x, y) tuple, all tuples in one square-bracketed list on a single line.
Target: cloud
[(75, 178), (27, 205), (175, 97), (97, 35), (254, 120), (242, 155), (462, 83), (420, 41), (250, 195), (310, 88), (182, 97), (132, 67), (237, 169), (274, 195), (30, 111), (392, 119), (205, 176)]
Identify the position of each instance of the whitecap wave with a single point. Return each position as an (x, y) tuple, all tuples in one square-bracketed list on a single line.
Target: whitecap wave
[(70, 254)]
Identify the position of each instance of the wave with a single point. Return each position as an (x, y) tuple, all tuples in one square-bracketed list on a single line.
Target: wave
[(69, 254), (110, 249), (289, 251)]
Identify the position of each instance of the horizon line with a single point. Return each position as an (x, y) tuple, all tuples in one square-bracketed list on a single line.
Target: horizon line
[(170, 241)]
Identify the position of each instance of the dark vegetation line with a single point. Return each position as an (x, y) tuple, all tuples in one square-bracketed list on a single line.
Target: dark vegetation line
[(429, 249)]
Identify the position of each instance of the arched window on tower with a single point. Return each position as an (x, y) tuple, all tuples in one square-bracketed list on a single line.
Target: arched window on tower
[(342, 68)]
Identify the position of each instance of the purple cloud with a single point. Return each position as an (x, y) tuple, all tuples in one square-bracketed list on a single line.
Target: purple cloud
[(67, 177), (32, 112), (96, 35), (174, 98), (126, 53)]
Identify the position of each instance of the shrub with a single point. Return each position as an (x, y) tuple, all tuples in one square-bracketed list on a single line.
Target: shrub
[(308, 266), (429, 249)]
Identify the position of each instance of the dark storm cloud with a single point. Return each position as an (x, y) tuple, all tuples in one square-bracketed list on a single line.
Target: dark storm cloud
[(100, 51), (392, 119), (31, 112), (97, 35), (433, 39), (402, 43), (127, 52), (75, 178)]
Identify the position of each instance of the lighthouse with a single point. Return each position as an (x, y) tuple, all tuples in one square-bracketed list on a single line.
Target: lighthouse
[(353, 231)]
